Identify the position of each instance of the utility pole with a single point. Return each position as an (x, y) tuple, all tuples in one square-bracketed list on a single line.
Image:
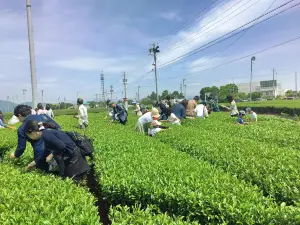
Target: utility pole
[(111, 92), (31, 54), (183, 86), (58, 102), (24, 95), (138, 94), (155, 50), (102, 87), (78, 94), (124, 83), (274, 95), (42, 96), (65, 102), (7, 103), (251, 76), (181, 89), (296, 82)]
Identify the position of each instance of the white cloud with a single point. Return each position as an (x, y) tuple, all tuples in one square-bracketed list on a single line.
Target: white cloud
[(172, 16), (213, 26)]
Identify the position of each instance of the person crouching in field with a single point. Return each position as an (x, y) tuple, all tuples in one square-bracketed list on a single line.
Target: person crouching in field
[(23, 113), (144, 120), (71, 162), (156, 127), (119, 113), (253, 116), (240, 119)]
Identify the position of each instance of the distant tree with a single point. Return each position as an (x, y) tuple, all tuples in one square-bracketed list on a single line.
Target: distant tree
[(228, 89), (203, 91), (164, 94), (256, 95), (152, 96), (146, 101), (289, 93), (242, 96)]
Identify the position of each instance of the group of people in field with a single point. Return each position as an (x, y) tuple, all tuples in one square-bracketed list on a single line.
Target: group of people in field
[(150, 122), (53, 148)]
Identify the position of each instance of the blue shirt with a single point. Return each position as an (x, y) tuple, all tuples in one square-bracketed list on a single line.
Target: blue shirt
[(37, 145), (179, 111), (240, 120), (58, 142), (2, 123)]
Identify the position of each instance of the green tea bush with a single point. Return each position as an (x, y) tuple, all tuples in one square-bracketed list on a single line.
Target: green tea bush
[(123, 215), (275, 170), (29, 198), (133, 169)]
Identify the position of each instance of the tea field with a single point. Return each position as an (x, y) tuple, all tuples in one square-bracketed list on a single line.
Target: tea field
[(208, 171)]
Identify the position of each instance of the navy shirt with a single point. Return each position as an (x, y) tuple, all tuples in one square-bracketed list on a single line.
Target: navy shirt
[(37, 145), (58, 142), (240, 120), (179, 111)]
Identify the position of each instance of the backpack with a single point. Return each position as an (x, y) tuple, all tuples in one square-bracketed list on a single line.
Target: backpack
[(163, 106), (84, 143)]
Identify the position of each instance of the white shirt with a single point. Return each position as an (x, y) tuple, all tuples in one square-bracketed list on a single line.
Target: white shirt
[(83, 115), (50, 113), (146, 118), (201, 111), (233, 108), (154, 131), (173, 119), (41, 111), (254, 116)]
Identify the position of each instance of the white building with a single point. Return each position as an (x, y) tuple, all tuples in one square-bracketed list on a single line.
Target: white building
[(268, 88)]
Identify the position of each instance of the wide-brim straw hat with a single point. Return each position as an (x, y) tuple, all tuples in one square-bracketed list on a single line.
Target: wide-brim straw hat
[(155, 112)]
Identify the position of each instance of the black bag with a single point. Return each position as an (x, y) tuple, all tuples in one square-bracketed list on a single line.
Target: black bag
[(84, 143)]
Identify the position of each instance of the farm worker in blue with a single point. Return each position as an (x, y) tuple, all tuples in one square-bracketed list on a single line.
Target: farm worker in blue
[(119, 113), (23, 113), (71, 162), (240, 119)]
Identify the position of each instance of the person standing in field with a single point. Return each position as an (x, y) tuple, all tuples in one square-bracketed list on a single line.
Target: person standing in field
[(190, 109), (82, 114), (201, 110), (232, 108), (138, 110), (23, 113), (179, 110), (71, 162), (49, 111), (144, 120)]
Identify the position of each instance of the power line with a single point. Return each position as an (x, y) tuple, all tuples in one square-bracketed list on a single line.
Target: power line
[(211, 43), (243, 57), (188, 24), (186, 39), (227, 47)]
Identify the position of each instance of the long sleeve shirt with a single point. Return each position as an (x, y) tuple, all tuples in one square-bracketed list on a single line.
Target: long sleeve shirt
[(58, 142), (179, 111), (37, 145), (190, 109), (2, 124), (201, 111), (82, 115)]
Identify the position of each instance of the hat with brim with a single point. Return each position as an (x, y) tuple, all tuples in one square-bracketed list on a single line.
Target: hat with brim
[(242, 112), (154, 112)]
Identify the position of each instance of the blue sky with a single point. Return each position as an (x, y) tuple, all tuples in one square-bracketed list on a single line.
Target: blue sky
[(75, 40)]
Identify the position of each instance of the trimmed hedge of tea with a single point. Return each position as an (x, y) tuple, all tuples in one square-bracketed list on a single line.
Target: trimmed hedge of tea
[(133, 169), (123, 215), (28, 198), (275, 170)]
